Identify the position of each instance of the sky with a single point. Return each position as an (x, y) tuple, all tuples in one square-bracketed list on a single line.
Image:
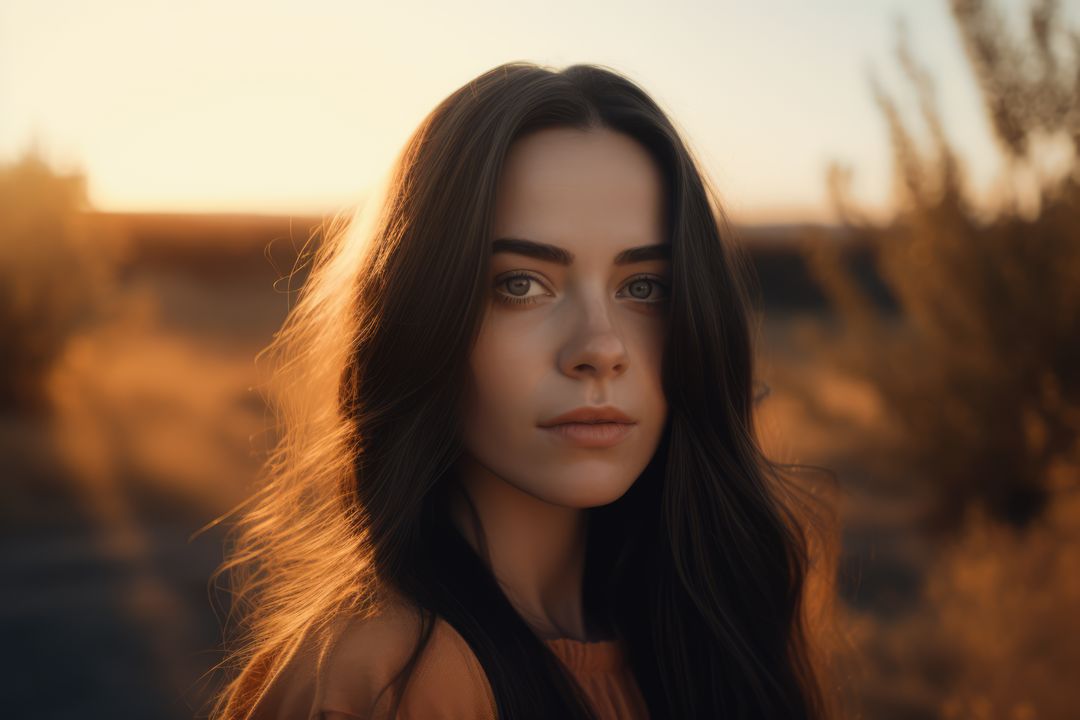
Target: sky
[(298, 106)]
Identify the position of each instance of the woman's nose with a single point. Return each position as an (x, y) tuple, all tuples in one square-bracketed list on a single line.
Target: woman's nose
[(594, 346)]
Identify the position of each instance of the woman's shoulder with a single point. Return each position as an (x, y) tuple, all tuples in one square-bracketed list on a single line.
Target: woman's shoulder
[(348, 674)]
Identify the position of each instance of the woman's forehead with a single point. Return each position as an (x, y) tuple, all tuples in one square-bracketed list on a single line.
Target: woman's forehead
[(565, 185)]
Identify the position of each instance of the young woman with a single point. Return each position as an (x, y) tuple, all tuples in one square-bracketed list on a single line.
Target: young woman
[(518, 475)]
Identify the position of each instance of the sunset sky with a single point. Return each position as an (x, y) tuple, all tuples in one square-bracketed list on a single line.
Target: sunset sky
[(297, 106)]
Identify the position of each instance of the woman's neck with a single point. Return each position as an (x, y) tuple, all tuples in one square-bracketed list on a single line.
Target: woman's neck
[(536, 550)]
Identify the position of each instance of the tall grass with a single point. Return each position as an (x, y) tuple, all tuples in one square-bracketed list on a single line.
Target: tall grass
[(983, 371)]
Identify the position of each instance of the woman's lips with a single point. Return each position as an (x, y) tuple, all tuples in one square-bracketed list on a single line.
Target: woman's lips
[(591, 435)]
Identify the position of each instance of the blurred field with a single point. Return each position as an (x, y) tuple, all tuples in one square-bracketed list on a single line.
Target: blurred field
[(151, 428)]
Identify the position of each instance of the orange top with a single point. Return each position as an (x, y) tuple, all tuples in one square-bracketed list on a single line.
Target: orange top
[(601, 670), (448, 682)]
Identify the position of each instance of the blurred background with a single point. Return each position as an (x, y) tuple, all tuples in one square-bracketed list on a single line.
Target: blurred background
[(905, 177)]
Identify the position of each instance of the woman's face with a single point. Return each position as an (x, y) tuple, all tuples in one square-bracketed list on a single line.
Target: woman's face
[(572, 321)]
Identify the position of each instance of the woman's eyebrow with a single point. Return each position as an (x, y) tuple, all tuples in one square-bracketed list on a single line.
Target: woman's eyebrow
[(554, 254)]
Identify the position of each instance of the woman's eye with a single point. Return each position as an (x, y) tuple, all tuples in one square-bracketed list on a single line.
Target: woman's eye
[(517, 286), (644, 288)]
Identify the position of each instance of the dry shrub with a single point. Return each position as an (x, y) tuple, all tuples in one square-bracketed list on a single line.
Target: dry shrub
[(982, 367), (55, 275)]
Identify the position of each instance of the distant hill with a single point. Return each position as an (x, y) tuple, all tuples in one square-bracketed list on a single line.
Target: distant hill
[(220, 246)]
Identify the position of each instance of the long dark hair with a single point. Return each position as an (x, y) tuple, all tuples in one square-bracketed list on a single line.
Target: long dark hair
[(699, 569)]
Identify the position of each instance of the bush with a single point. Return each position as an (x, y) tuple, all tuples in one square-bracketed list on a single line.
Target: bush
[(53, 279), (983, 371)]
